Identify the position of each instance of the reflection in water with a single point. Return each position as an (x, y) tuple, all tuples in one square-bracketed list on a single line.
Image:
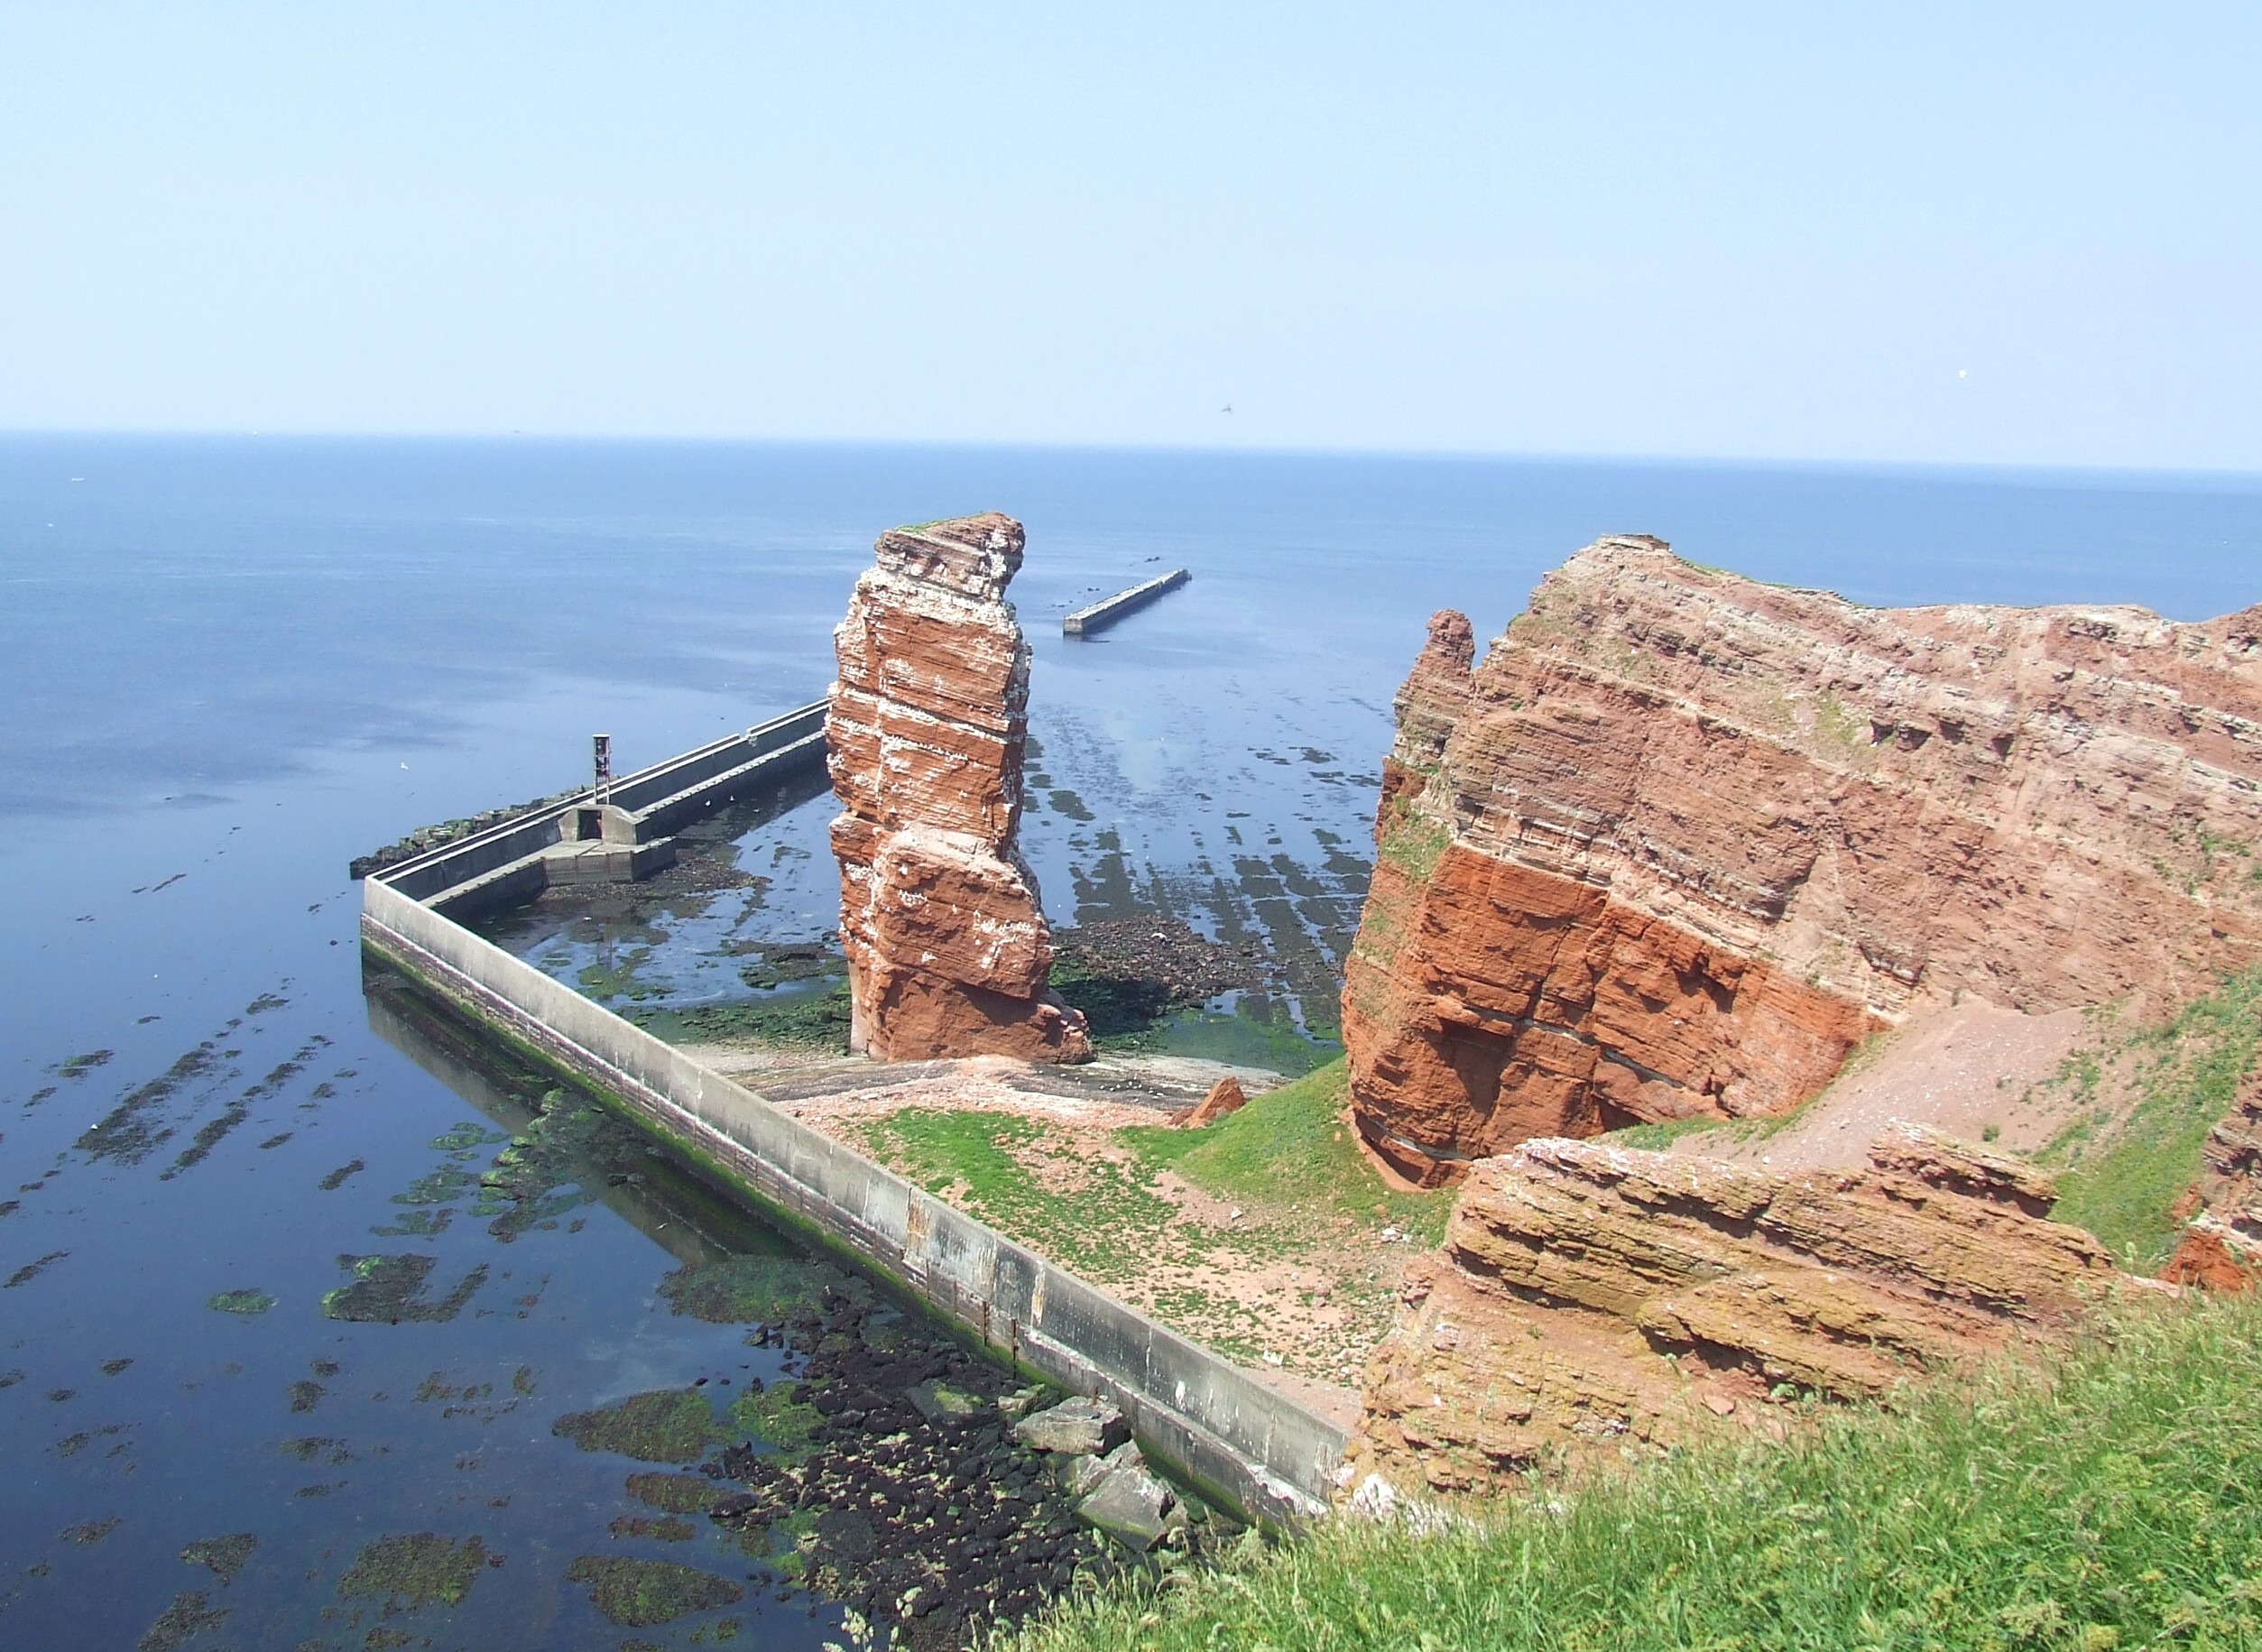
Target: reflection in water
[(608, 1163), (880, 1470)]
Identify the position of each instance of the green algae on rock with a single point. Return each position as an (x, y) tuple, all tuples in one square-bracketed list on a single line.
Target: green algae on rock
[(189, 1616), (745, 1290), (778, 1415), (662, 1425), (389, 1289), (638, 1594), (32, 1270), (240, 1301), (666, 1528), (675, 1493), (418, 1569), (224, 1556)]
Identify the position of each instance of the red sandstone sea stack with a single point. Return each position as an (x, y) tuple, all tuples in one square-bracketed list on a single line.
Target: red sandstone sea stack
[(948, 950), (1681, 839)]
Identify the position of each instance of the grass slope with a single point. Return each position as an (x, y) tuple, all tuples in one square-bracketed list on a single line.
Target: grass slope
[(2120, 1177), (2115, 1502), (1286, 1159), (1291, 1146)]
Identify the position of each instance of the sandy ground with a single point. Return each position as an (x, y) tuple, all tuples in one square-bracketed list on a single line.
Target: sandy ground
[(1959, 1069)]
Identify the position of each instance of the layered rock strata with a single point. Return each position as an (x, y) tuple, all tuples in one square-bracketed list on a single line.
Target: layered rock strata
[(1591, 1296), (948, 950), (1683, 839)]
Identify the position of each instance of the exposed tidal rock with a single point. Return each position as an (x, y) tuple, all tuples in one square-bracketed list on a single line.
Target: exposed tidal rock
[(1681, 839), (948, 950), (1592, 1295)]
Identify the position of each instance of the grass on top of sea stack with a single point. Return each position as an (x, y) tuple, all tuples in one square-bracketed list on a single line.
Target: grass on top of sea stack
[(2114, 1501)]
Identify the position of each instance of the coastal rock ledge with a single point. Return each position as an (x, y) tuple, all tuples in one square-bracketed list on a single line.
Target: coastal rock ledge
[(1683, 839), (1594, 1296), (948, 950)]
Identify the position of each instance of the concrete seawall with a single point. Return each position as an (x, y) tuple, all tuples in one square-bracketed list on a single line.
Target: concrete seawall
[(1100, 615), (1252, 1447), (516, 859)]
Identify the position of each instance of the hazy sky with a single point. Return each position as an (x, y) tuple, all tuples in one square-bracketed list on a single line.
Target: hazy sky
[(1966, 232)]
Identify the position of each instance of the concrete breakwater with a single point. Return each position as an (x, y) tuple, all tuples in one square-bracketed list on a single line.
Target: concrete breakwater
[(1245, 1445), (1087, 621), (580, 837)]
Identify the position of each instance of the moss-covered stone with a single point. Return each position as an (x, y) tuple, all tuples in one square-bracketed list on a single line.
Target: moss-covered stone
[(743, 1290), (390, 1289), (666, 1528), (636, 1594), (663, 1425), (240, 1301), (189, 1616), (675, 1493), (778, 1415), (418, 1569), (225, 1556)]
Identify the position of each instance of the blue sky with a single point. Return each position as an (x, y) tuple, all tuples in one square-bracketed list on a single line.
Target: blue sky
[(1965, 234)]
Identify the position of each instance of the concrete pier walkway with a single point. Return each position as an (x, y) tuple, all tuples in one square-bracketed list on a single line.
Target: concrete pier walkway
[(1100, 615)]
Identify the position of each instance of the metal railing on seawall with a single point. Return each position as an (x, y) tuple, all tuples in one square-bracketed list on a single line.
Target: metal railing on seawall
[(1244, 1443)]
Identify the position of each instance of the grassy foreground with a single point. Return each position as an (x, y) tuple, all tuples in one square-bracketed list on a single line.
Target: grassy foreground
[(2114, 1503)]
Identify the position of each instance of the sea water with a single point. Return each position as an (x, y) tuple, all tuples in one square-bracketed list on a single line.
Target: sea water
[(229, 666)]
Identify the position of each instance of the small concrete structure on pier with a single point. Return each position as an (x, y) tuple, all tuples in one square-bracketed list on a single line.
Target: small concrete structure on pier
[(1100, 615), (624, 835)]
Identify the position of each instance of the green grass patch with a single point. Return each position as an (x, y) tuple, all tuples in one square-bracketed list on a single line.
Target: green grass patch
[(1291, 1146), (978, 1160), (2113, 1502), (1305, 1203), (1413, 843), (2120, 1179)]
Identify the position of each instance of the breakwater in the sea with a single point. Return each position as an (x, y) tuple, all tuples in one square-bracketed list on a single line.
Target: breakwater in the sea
[(1244, 1443)]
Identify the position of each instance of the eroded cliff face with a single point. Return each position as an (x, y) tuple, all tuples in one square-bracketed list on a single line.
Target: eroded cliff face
[(1589, 1297), (948, 950), (1683, 839)]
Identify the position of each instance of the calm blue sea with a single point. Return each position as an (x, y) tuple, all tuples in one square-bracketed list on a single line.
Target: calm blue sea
[(229, 666)]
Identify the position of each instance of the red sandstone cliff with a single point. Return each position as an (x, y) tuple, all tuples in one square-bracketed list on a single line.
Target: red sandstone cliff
[(1681, 839), (948, 950), (1589, 1297)]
